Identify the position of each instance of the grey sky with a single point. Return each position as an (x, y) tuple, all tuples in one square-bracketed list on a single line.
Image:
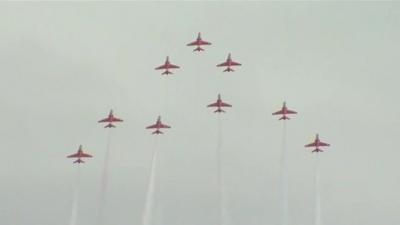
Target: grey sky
[(64, 65)]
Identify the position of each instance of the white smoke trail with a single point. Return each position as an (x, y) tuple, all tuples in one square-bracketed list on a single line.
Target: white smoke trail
[(284, 177), (317, 192), (147, 212), (104, 179), (75, 203)]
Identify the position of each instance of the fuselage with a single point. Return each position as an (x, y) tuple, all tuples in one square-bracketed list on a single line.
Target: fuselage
[(158, 124)]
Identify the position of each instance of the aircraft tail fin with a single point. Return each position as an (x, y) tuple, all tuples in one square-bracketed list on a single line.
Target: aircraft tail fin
[(284, 118), (317, 150), (219, 111), (229, 69), (198, 49), (79, 161), (110, 125), (157, 132), (166, 72)]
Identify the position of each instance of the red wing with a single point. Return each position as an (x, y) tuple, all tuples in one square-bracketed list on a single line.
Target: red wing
[(104, 120), (165, 126), (116, 120), (192, 43), (213, 105), (152, 126), (201, 42), (311, 145), (291, 112), (84, 155), (172, 66), (162, 67), (280, 112), (323, 144), (225, 104), (223, 64), (76, 155), (235, 64)]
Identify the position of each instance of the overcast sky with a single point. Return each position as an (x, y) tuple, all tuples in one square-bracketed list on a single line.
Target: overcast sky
[(63, 66)]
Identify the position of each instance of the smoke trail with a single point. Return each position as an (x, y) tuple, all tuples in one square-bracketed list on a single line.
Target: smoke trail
[(284, 177), (317, 192), (147, 212), (75, 203), (104, 179)]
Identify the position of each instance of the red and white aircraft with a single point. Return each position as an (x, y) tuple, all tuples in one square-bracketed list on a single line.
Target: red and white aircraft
[(228, 64), (110, 120), (317, 143), (199, 42), (219, 103), (158, 125), (284, 111), (80, 154), (167, 66)]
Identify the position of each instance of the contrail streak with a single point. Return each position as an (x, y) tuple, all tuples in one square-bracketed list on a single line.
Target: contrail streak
[(104, 179), (147, 212), (284, 177), (75, 203), (317, 192)]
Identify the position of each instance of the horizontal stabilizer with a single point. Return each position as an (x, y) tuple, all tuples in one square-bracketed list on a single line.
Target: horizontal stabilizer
[(284, 118), (157, 132), (219, 111), (167, 72), (79, 161), (198, 49), (317, 150), (110, 125), (228, 69)]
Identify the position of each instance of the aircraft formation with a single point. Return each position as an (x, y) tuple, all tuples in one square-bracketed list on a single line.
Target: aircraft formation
[(219, 104)]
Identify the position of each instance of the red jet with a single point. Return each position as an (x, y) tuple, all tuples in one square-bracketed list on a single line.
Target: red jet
[(317, 143), (284, 111), (158, 125), (167, 66), (219, 103), (80, 154), (199, 42), (110, 120), (229, 63)]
